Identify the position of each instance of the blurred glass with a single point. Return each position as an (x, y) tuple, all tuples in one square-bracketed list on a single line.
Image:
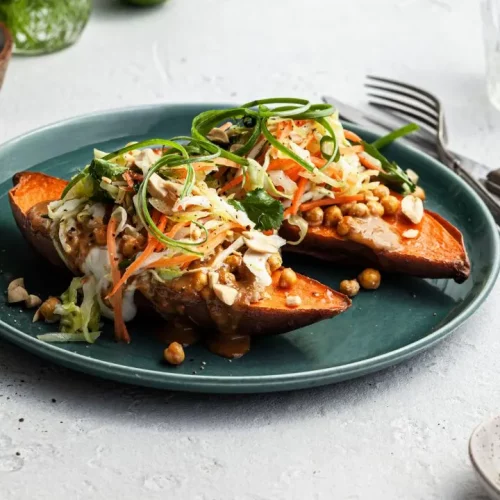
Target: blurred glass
[(490, 10), (42, 26)]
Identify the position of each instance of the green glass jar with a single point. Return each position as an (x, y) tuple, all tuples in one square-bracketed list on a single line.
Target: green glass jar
[(42, 26)]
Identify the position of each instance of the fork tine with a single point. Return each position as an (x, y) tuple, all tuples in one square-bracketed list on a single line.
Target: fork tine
[(404, 112), (423, 112), (406, 86), (431, 106)]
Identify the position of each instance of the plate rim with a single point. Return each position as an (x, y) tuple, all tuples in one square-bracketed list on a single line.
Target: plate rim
[(249, 383)]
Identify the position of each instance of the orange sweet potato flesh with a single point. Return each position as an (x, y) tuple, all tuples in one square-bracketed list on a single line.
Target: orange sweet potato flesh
[(437, 252), (29, 198), (32, 189)]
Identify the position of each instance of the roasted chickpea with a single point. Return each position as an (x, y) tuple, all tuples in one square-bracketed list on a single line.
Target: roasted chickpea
[(375, 208), (314, 216), (369, 196), (100, 235), (288, 278), (174, 354), (344, 226), (226, 277), (369, 279), (333, 215), (200, 280), (346, 207), (275, 261), (419, 193), (390, 204), (130, 246), (233, 262), (359, 210), (48, 307), (381, 191), (349, 287)]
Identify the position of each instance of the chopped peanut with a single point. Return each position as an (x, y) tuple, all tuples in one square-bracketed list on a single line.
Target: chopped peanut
[(410, 233), (174, 354), (369, 279), (33, 301), (413, 208), (419, 193), (17, 294), (293, 301), (349, 287)]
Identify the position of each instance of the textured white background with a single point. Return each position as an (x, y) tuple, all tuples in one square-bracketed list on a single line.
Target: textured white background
[(400, 434)]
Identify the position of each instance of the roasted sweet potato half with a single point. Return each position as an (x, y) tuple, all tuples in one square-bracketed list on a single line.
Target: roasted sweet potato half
[(437, 250), (29, 198)]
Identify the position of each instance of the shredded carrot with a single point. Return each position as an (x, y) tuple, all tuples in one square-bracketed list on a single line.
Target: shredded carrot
[(121, 332), (331, 201), (318, 162), (128, 179), (172, 261), (294, 208), (364, 159), (359, 148), (281, 164), (213, 241), (268, 232), (293, 173), (351, 136), (231, 184), (152, 245), (176, 228), (136, 176), (284, 129)]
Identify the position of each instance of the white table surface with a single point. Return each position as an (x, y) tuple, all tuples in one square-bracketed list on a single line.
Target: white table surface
[(399, 434)]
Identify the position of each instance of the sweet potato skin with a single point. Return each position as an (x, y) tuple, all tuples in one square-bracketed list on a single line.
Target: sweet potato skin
[(269, 316), (437, 252), (266, 317)]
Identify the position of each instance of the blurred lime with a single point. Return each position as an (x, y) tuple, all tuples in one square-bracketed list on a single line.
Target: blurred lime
[(42, 26)]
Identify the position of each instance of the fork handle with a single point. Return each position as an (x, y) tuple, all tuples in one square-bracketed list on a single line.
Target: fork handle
[(491, 202)]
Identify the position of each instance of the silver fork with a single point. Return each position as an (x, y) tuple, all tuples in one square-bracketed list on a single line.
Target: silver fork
[(424, 108)]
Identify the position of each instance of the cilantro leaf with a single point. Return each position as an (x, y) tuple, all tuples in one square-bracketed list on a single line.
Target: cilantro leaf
[(265, 211)]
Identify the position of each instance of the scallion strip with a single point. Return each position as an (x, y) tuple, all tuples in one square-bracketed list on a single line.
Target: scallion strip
[(381, 142)]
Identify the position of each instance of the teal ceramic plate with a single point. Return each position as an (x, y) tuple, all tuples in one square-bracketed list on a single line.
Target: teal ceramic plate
[(400, 319)]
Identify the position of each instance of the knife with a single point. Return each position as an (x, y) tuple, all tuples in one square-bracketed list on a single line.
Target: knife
[(423, 138)]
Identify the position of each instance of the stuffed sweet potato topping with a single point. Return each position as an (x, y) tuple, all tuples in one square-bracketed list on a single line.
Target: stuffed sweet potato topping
[(342, 199), (143, 222)]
